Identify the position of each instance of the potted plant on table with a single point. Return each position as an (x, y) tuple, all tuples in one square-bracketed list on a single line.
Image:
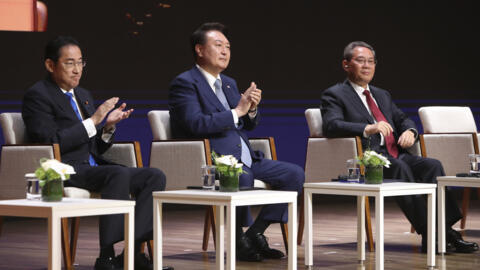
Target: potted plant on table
[(373, 163), (51, 175), (229, 170)]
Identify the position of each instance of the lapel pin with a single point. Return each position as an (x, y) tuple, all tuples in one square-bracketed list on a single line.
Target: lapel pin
[(228, 86), (86, 102)]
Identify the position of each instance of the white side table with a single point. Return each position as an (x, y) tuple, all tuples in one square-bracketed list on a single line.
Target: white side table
[(442, 182), (379, 192), (230, 200), (70, 207)]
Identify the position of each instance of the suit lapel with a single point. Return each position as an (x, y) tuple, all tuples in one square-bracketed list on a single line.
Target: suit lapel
[(358, 103), (60, 99), (86, 105), (381, 104), (205, 89)]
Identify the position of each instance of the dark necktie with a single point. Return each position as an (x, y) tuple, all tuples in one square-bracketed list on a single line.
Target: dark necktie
[(245, 157), (91, 160), (378, 115)]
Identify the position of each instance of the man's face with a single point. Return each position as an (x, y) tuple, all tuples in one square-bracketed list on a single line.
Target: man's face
[(361, 68), (214, 55), (67, 71)]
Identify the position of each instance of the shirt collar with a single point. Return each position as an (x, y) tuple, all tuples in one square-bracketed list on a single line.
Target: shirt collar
[(358, 88), (209, 77)]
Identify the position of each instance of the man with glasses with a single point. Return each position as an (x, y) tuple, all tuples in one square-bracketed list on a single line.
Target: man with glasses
[(356, 108), (57, 110)]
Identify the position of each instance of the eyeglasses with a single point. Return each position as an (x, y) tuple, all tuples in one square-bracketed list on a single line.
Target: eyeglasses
[(72, 64), (363, 61)]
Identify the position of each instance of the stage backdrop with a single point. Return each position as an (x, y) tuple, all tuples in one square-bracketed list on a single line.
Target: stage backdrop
[(291, 49)]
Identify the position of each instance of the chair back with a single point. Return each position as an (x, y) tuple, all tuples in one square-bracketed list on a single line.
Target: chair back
[(125, 153), (326, 157), (450, 135), (314, 121), (13, 128), (447, 119), (17, 158), (160, 125)]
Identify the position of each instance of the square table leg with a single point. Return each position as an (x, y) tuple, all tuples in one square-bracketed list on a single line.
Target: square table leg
[(307, 200), (220, 243), (157, 234), (54, 249), (231, 236), (361, 228), (129, 233), (431, 230), (292, 236), (441, 218), (379, 260)]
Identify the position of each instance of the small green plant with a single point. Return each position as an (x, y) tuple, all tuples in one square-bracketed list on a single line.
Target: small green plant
[(372, 159), (52, 169)]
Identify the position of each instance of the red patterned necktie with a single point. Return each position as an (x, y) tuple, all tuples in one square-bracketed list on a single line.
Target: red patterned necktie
[(389, 140)]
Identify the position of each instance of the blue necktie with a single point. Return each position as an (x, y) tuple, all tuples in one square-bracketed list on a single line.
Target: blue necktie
[(245, 157), (75, 109)]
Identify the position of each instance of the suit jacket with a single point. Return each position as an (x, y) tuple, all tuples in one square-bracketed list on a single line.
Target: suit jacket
[(196, 112), (49, 118), (344, 114)]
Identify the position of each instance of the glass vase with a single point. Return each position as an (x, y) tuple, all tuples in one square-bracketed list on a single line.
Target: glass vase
[(52, 190), (229, 181), (373, 174)]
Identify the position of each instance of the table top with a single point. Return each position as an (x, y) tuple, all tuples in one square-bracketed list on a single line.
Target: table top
[(67, 203), (370, 187), (215, 197), (460, 181), (68, 207)]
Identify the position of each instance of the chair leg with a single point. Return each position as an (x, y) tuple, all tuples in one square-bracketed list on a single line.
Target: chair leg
[(208, 225), (301, 221), (368, 225), (465, 203), (1, 225), (67, 257), (74, 237), (284, 227), (150, 249), (206, 229)]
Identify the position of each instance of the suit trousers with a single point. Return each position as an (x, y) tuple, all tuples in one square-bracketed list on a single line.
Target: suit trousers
[(279, 175), (122, 183), (412, 168)]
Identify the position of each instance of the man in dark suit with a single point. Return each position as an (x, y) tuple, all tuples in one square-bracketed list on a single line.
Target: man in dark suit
[(356, 108), (207, 104), (56, 110)]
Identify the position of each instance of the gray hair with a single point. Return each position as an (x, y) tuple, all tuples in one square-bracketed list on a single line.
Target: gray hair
[(348, 51)]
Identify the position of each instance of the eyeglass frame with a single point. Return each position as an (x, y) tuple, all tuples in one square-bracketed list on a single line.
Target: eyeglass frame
[(364, 61), (74, 64)]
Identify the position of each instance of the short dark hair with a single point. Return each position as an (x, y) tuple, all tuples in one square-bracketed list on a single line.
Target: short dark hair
[(199, 36), (52, 50), (348, 51)]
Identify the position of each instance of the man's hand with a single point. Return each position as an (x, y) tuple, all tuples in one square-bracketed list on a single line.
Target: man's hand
[(245, 101), (380, 127), (407, 139), (255, 96), (116, 116), (103, 110)]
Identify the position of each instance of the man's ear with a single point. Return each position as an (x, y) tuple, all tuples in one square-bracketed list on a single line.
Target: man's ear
[(49, 65), (198, 50), (345, 64)]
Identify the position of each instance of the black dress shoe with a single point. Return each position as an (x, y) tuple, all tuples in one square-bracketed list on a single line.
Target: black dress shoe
[(456, 242), (259, 241), (246, 252), (106, 263)]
